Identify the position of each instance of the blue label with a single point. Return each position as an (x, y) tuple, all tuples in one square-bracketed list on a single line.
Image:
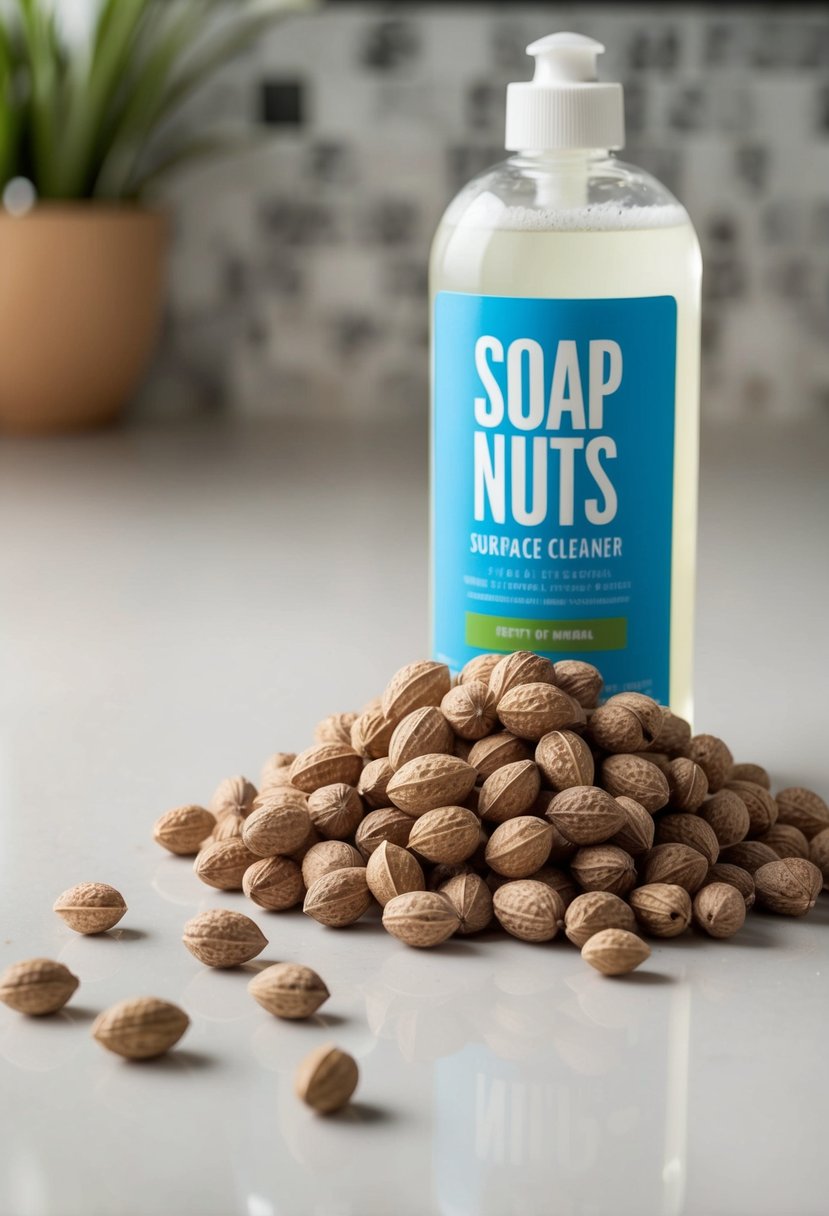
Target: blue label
[(552, 474)]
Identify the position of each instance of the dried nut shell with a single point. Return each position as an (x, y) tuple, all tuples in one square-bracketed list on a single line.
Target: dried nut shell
[(789, 886), (228, 827), (519, 847), (279, 823), (728, 815), (326, 856), (182, 830), (565, 760), (714, 758), (388, 823), (511, 790), (392, 871), (472, 900), (336, 728), (423, 732), (276, 768), (819, 853), (761, 807), (748, 855), (532, 710), (787, 841), (719, 909), (274, 883), (649, 712), (339, 898), (735, 876), (233, 796), (560, 880), (682, 828), (603, 867), (637, 778), (479, 668), (429, 782), (581, 681), (90, 907), (222, 864), (326, 1079), (529, 910), (615, 951), (616, 729), (140, 1029), (448, 834), (688, 784), (420, 918), (521, 667), (325, 764), (470, 710), (37, 986), (489, 754), (289, 990), (596, 910), (677, 864), (751, 772), (674, 737), (222, 938), (335, 810), (373, 784), (371, 734), (586, 814), (803, 809), (662, 909), (637, 832), (413, 686)]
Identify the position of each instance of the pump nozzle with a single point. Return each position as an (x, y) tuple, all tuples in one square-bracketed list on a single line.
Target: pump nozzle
[(565, 57), (564, 105)]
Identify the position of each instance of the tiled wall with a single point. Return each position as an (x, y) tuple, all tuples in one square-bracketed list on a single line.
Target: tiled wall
[(299, 274)]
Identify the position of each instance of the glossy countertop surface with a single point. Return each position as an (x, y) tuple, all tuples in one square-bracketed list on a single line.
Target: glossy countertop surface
[(177, 603)]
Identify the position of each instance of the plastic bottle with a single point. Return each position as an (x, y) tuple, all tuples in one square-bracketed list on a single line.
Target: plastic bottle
[(565, 364)]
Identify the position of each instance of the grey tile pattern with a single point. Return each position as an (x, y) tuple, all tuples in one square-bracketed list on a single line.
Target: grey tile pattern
[(299, 271)]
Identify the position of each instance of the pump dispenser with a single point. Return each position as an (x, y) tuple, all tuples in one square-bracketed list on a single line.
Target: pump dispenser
[(565, 296), (564, 105)]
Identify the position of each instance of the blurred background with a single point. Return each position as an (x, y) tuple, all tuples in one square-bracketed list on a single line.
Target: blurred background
[(298, 266), (299, 273)]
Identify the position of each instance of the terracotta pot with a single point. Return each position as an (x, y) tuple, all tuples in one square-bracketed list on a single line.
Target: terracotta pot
[(81, 295)]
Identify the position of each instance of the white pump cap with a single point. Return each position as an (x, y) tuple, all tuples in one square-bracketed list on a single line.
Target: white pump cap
[(564, 105)]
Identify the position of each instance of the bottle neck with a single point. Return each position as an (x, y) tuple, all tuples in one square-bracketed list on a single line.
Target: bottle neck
[(561, 175)]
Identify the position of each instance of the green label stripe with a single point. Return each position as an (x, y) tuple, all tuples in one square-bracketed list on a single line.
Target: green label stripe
[(518, 633)]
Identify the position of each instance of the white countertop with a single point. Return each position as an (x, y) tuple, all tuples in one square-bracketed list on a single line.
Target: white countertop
[(178, 603)]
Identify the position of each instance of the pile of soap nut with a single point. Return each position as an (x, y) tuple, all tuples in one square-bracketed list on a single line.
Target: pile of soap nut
[(512, 798)]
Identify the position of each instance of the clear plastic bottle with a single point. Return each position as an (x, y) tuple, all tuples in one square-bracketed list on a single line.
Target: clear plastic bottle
[(565, 321)]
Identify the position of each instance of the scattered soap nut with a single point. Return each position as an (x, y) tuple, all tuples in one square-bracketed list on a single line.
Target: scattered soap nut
[(421, 918), (789, 886), (183, 829), (719, 909), (714, 758), (392, 870), (615, 951), (326, 1079), (423, 732), (140, 1029), (728, 815), (37, 986), (90, 907), (233, 796), (471, 899), (223, 863), (339, 898), (662, 909), (786, 840), (221, 938), (803, 809), (289, 990), (582, 681), (751, 772), (274, 883), (529, 910), (596, 910)]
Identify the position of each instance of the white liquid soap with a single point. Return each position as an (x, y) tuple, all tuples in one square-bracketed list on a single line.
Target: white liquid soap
[(565, 362)]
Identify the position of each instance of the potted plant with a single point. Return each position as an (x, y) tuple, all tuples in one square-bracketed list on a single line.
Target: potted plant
[(87, 128)]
